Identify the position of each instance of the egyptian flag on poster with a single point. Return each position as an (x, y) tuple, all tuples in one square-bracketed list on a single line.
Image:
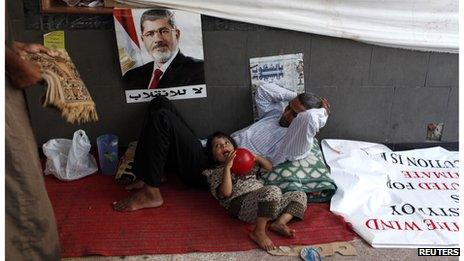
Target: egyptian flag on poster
[(126, 34)]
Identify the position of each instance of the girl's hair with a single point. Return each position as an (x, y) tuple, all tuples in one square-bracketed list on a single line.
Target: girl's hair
[(209, 146)]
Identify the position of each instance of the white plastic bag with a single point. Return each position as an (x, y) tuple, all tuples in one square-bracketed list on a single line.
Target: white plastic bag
[(69, 159)]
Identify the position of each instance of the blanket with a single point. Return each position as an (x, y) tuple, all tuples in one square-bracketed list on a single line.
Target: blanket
[(309, 175)]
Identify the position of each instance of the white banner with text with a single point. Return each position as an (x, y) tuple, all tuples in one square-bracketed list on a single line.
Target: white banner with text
[(406, 199)]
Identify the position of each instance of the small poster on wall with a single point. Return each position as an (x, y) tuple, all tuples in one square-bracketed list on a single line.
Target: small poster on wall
[(284, 70), (160, 53)]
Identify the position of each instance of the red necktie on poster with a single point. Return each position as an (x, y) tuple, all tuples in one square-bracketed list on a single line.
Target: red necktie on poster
[(156, 76)]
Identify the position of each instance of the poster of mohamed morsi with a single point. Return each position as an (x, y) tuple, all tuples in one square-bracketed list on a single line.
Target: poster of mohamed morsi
[(160, 53)]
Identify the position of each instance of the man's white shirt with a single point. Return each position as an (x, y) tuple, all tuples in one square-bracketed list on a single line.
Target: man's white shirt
[(267, 138)]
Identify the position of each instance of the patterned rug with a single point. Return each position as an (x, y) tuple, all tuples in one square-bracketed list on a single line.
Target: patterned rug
[(65, 89)]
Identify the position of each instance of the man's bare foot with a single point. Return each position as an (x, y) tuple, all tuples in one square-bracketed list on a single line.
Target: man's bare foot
[(148, 197), (262, 240), (136, 185), (282, 229)]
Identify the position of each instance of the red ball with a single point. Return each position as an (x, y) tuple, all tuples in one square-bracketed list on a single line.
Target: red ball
[(243, 161)]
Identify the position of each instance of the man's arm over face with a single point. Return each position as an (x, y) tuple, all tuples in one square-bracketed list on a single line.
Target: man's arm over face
[(270, 96), (298, 139)]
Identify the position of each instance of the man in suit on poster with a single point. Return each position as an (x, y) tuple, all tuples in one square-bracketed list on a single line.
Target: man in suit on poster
[(170, 68)]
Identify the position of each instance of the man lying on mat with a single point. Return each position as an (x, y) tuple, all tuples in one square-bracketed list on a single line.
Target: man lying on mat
[(288, 122)]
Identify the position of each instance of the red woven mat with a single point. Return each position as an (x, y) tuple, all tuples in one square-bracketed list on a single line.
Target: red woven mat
[(189, 221)]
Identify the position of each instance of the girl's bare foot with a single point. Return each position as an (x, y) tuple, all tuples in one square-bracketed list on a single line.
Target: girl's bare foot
[(148, 197), (282, 229), (136, 185), (262, 240)]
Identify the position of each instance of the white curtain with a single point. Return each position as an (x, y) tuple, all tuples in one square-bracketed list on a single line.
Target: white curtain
[(427, 25)]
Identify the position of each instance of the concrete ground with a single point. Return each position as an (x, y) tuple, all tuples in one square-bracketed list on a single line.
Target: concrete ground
[(364, 251)]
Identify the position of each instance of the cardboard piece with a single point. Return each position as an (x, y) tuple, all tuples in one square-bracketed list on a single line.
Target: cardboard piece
[(343, 248)]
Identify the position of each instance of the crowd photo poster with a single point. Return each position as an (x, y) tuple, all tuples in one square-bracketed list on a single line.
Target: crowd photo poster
[(160, 53)]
